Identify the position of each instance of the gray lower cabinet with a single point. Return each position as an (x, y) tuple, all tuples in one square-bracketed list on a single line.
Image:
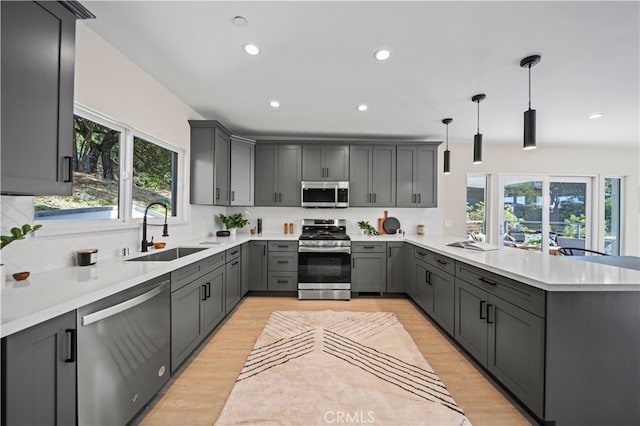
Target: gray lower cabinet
[(210, 150), (282, 266), (196, 307), (325, 162), (257, 266), (372, 176), (244, 269), (233, 291), (410, 268), (38, 54), (368, 267), (504, 338), (278, 175), (396, 267), (242, 171), (435, 287), (417, 172), (39, 374)]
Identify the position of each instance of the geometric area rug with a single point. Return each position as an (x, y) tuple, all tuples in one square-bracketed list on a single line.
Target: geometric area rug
[(327, 368)]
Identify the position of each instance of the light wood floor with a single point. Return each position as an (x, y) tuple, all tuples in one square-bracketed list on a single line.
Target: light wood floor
[(199, 391)]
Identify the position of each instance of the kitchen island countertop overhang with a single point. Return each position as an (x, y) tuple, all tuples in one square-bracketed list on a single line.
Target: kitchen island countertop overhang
[(49, 294)]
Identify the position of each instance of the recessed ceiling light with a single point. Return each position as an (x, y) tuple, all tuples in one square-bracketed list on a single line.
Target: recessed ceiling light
[(595, 115), (362, 107), (239, 21), (251, 49), (382, 54), (274, 104)]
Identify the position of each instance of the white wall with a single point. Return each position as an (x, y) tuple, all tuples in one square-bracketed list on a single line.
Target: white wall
[(601, 162)]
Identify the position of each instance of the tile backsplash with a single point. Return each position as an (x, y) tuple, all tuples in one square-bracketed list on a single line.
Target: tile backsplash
[(54, 246)]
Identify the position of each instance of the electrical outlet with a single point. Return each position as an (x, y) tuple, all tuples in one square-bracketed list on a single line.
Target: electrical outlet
[(447, 224)]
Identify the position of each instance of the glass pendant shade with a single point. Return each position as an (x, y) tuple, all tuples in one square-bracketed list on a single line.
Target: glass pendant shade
[(477, 148), (529, 129), (447, 162)]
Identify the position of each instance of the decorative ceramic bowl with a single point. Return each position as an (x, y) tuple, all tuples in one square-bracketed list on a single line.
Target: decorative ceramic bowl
[(19, 276), (159, 245)]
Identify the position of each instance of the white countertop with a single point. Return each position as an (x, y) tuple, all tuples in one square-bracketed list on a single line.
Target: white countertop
[(46, 295)]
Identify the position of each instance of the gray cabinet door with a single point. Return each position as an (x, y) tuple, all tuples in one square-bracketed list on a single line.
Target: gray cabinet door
[(471, 330), (396, 267), (426, 176), (232, 292), (213, 305), (369, 272), (38, 53), (39, 374), (410, 266), (202, 185), (406, 175), (312, 162), (360, 185), (336, 162), (257, 265), (186, 328), (383, 176), (443, 290), (424, 291), (266, 176), (242, 172), (289, 175), (516, 356), (244, 269), (221, 156)]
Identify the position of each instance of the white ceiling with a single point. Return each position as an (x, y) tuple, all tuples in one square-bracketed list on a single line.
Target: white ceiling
[(317, 60)]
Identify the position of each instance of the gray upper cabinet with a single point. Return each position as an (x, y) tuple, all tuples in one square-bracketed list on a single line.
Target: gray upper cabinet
[(372, 171), (417, 175), (38, 54), (325, 162), (210, 149), (278, 175), (242, 171)]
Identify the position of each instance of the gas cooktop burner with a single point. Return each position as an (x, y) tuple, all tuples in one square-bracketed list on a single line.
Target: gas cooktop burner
[(324, 229)]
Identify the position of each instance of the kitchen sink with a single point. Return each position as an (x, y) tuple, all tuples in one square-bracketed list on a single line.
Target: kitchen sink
[(168, 255)]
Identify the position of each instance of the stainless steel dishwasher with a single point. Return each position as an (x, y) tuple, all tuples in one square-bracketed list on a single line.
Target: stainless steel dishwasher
[(123, 352)]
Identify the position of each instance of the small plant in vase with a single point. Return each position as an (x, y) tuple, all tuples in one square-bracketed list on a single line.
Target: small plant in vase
[(17, 233), (233, 222)]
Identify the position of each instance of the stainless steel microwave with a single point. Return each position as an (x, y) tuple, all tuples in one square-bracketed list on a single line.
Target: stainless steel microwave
[(325, 194)]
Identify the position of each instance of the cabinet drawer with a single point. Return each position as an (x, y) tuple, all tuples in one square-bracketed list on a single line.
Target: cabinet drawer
[(279, 262), (526, 297), (282, 281), (185, 275), (362, 247), (443, 263), (233, 253), (283, 246)]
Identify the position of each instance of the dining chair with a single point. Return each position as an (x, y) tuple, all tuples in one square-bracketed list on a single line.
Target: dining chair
[(569, 251)]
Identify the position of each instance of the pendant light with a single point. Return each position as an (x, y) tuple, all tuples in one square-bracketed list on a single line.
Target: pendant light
[(447, 153), (530, 114), (477, 139)]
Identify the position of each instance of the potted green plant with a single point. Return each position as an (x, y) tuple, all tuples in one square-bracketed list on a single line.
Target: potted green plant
[(233, 222), (367, 229)]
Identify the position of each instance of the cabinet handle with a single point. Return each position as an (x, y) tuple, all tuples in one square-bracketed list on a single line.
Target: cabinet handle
[(275, 197), (429, 278), (208, 290), (368, 247), (487, 281), (489, 312), (69, 169), (369, 197), (282, 281), (327, 172), (375, 197), (71, 345), (284, 246), (419, 253), (426, 277), (283, 261), (353, 262), (203, 296), (280, 196), (235, 263), (217, 193), (234, 252), (264, 250), (482, 304), (233, 195), (442, 262), (419, 198)]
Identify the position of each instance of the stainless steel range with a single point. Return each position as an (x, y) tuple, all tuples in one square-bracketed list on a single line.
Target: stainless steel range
[(324, 260)]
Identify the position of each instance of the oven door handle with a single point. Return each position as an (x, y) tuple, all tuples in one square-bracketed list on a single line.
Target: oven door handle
[(304, 249)]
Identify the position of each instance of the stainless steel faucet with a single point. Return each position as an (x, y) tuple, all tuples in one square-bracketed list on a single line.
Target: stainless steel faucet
[(165, 228)]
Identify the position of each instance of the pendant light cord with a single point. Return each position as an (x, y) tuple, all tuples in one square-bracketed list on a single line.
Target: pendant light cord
[(478, 131), (529, 86), (447, 137)]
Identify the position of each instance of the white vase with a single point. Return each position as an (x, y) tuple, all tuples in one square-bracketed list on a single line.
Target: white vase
[(232, 231)]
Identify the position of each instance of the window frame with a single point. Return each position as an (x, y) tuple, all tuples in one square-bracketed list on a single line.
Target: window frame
[(125, 201)]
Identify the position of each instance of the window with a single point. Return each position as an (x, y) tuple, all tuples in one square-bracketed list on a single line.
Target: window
[(105, 154), (612, 218), (477, 206)]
